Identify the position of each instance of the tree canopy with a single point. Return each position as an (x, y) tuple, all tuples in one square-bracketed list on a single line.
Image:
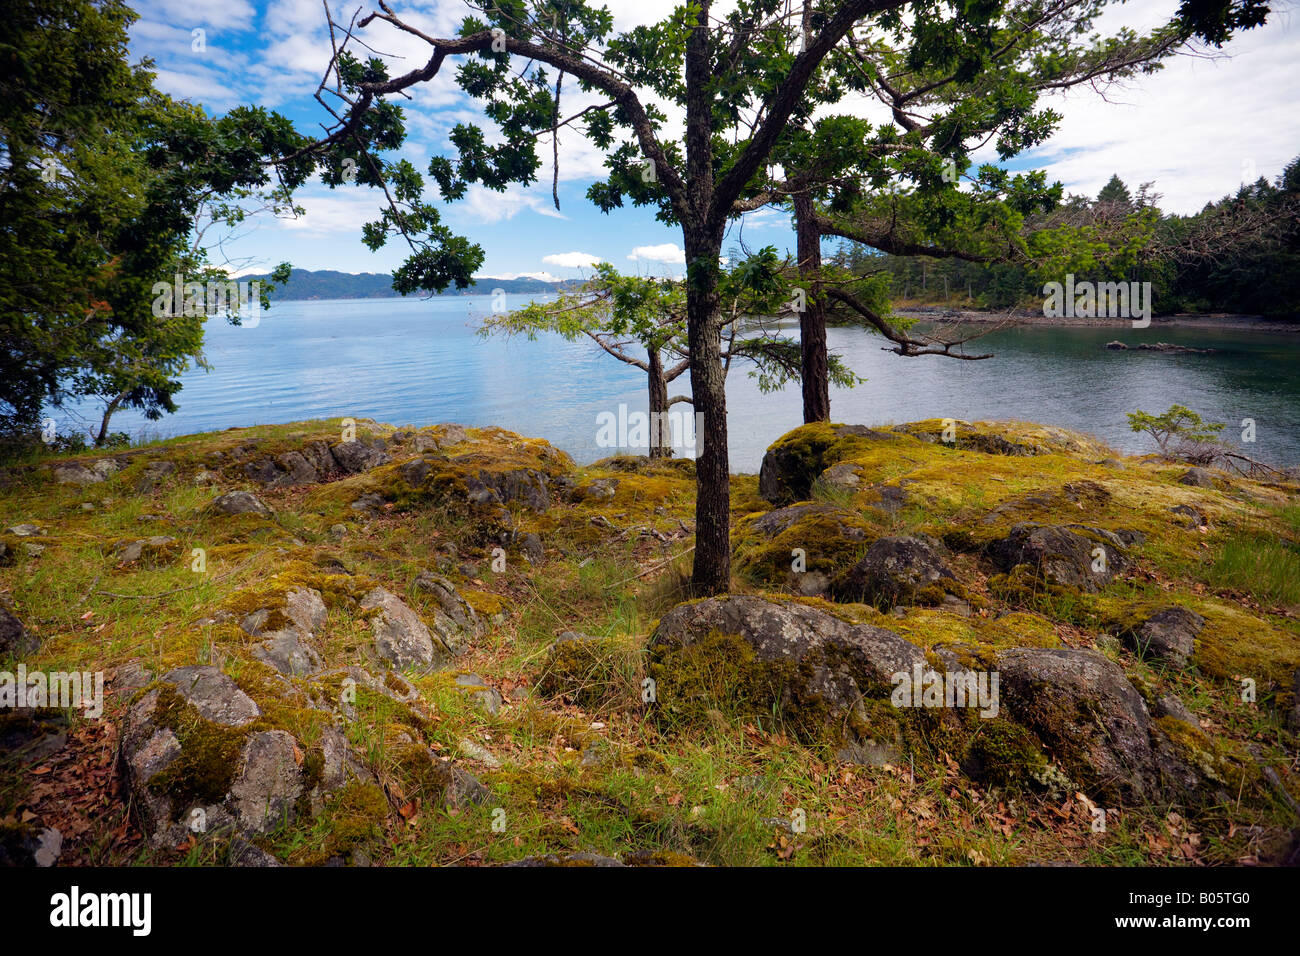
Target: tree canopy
[(739, 82), (102, 181)]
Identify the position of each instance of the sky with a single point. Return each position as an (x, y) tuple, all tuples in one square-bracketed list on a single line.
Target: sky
[(1197, 129)]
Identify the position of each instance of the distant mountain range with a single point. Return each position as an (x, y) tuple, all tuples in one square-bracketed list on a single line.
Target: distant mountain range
[(328, 284)]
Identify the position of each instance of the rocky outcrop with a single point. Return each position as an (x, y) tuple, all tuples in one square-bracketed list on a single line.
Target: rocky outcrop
[(240, 503), (401, 637), (152, 550), (154, 474), (1073, 709), (525, 486), (802, 547), (477, 689), (76, 474), (451, 602), (317, 454), (1092, 721), (1073, 556), (445, 435), (795, 461), (289, 468), (288, 633), (812, 667), (903, 570), (15, 639), (1168, 635), (1199, 478), (964, 435), (198, 760), (1190, 516), (358, 456)]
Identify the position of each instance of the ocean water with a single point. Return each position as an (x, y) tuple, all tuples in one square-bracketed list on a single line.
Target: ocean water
[(420, 361)]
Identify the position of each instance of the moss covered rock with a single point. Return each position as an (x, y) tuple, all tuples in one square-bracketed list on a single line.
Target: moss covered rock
[(1169, 635), (757, 657), (899, 570), (360, 455), (287, 633), (800, 544), (201, 757), (15, 640), (240, 502), (1073, 556), (795, 460), (401, 637), (1092, 721)]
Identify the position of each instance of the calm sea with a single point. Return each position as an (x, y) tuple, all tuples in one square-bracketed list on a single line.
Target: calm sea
[(420, 361)]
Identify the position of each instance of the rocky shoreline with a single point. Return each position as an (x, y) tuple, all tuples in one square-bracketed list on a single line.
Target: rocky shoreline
[(1023, 317)]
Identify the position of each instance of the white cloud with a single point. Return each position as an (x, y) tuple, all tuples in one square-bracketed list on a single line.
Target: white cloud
[(232, 14), (666, 252), (572, 260), (487, 206), (337, 212), (1196, 128), (766, 218), (191, 86)]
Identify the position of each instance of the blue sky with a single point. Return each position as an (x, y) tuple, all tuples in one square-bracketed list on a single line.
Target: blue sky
[(1197, 129)]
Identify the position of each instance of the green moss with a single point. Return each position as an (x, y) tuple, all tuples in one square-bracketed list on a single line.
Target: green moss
[(353, 816), (380, 709), (806, 445), (717, 672), (1002, 753), (935, 627), (1216, 760), (1234, 643), (720, 674), (1026, 588), (661, 858), (336, 590), (1013, 438), (485, 604), (832, 540), (209, 759), (154, 555)]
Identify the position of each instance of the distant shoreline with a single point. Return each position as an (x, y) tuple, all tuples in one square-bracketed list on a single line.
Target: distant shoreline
[(1023, 317)]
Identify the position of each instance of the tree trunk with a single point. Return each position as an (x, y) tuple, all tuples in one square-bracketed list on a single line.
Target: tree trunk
[(815, 364), (661, 438), (702, 232), (712, 571), (108, 414)]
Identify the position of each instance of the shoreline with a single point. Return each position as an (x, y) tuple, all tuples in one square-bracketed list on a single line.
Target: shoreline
[(1023, 317)]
